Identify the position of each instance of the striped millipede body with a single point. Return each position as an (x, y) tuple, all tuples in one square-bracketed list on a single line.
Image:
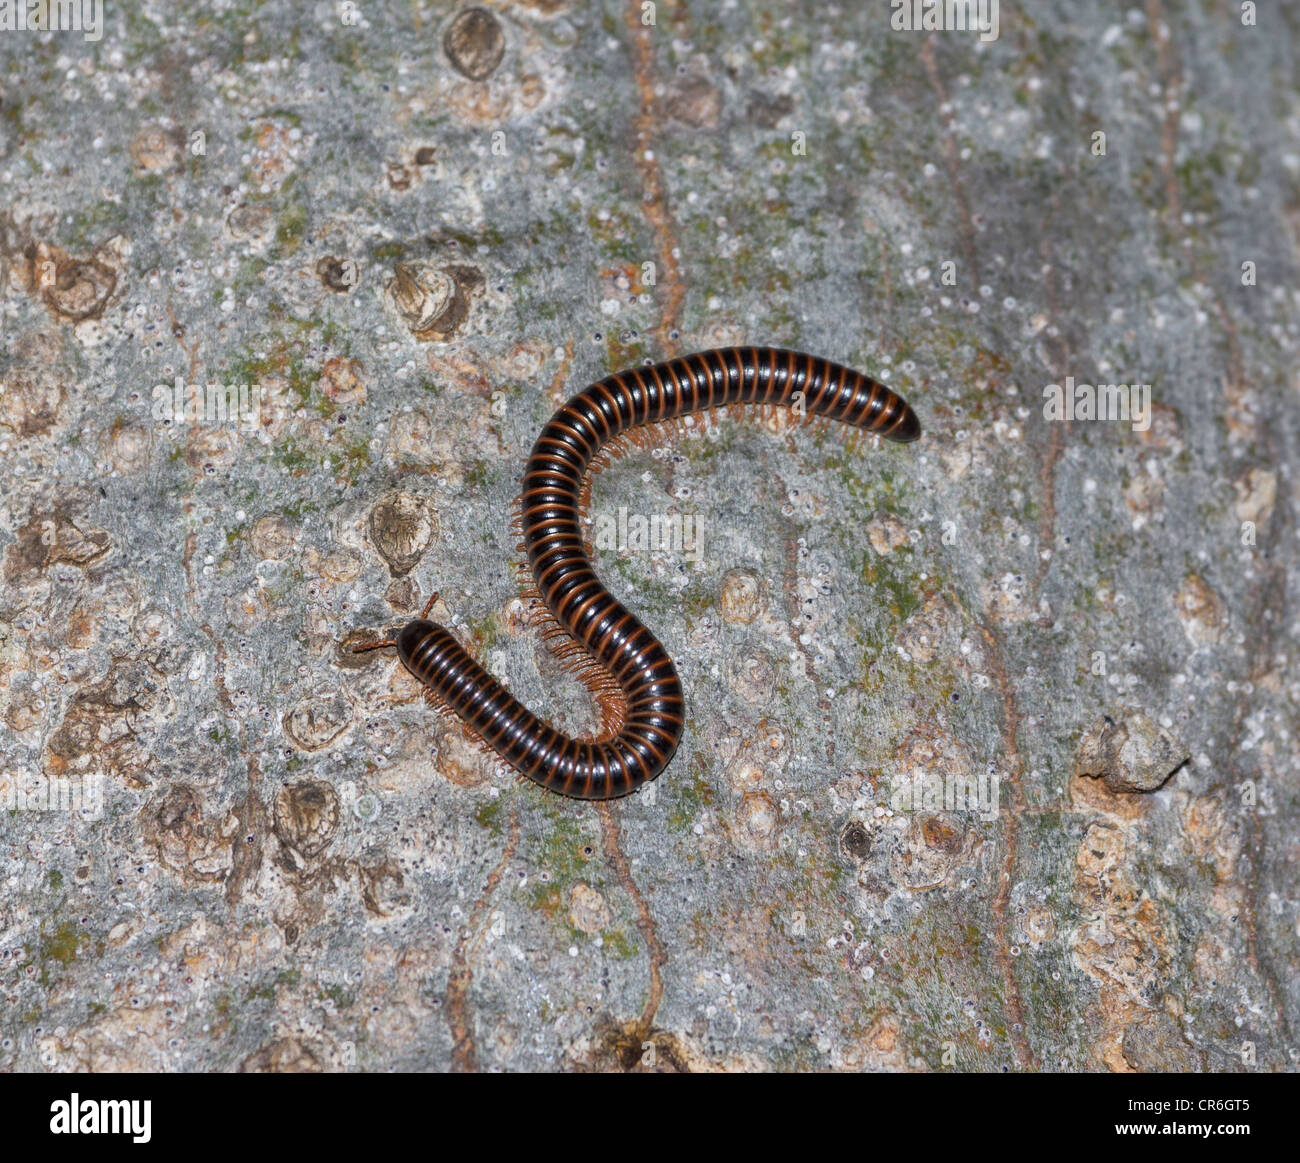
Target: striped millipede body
[(622, 658)]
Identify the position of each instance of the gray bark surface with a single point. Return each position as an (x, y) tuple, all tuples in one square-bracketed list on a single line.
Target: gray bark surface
[(415, 235)]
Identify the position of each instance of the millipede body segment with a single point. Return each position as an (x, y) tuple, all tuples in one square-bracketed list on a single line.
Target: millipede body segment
[(625, 662)]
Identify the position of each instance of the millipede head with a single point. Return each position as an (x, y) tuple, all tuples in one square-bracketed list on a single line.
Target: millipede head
[(408, 638), (906, 428), (412, 636)]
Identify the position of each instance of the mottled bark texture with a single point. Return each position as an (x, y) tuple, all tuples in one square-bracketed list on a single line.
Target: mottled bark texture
[(992, 752)]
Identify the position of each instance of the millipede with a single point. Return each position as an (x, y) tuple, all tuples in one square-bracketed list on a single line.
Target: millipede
[(619, 660)]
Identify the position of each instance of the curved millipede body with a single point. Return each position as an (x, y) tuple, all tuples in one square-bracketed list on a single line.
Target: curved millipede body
[(631, 660)]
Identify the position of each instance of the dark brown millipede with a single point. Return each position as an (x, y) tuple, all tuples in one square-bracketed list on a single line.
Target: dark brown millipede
[(621, 661)]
